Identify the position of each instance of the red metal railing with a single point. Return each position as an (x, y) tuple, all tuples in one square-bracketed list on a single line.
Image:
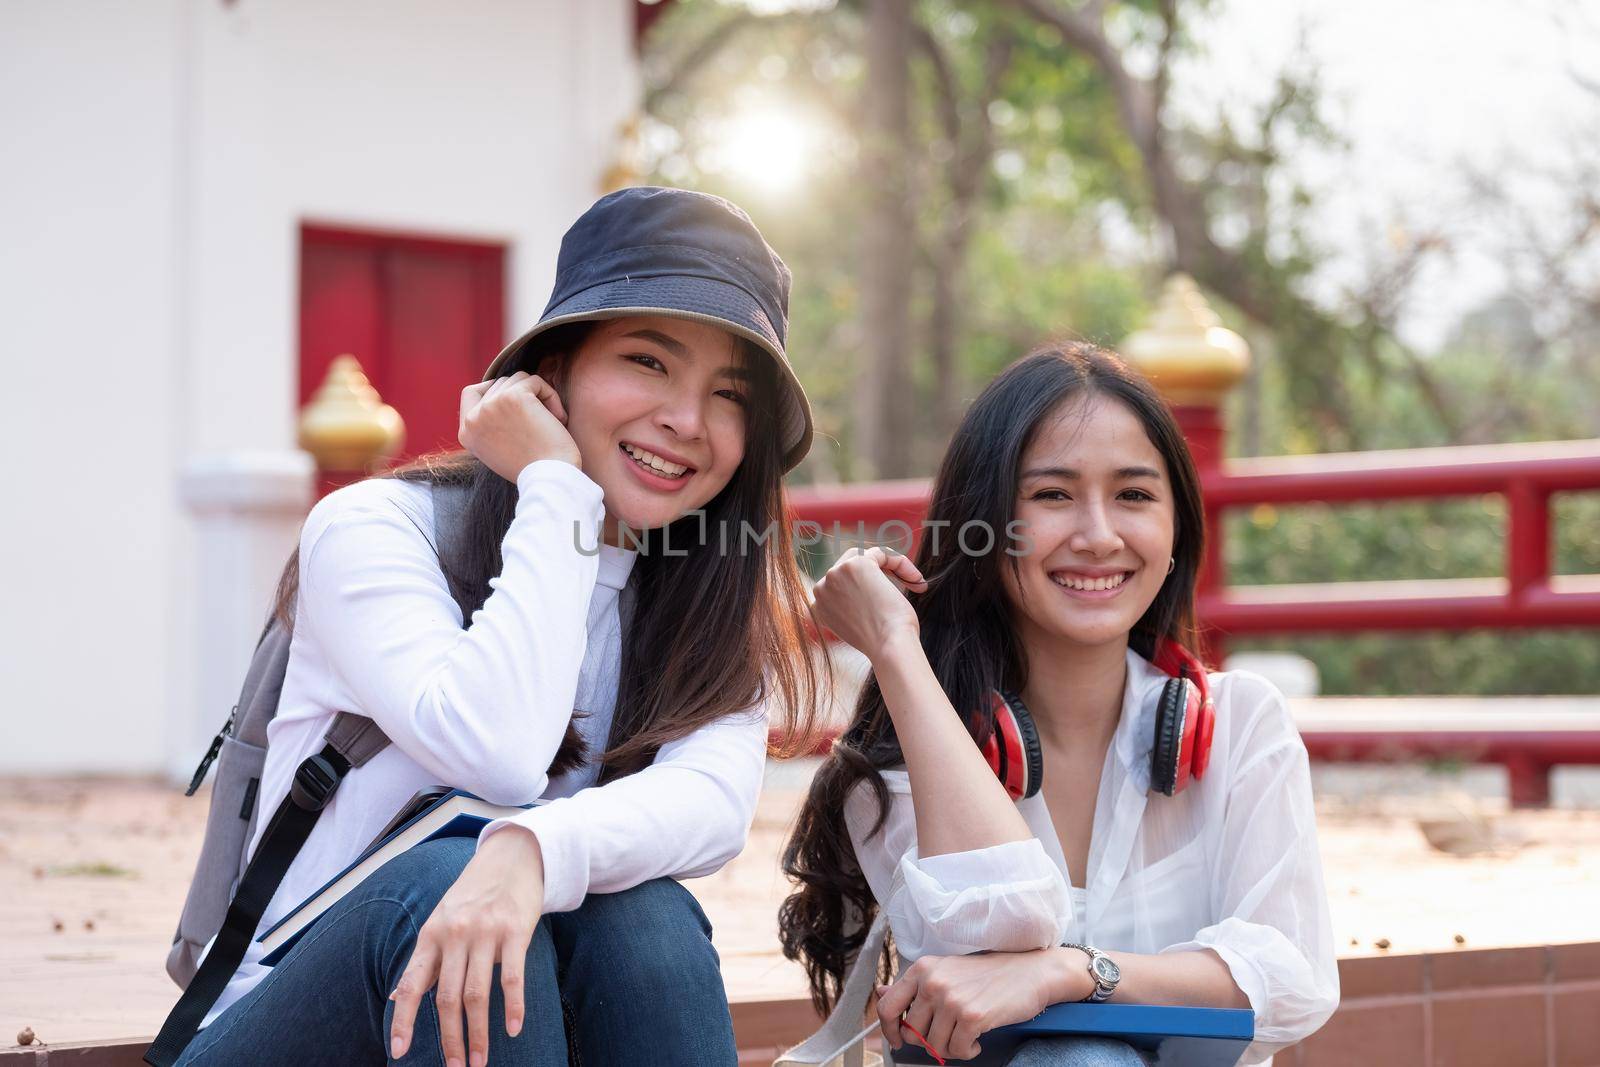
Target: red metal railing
[(1528, 595), (1526, 475)]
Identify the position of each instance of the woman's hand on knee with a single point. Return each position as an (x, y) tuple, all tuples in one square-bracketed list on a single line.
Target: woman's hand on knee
[(953, 1000), (488, 916)]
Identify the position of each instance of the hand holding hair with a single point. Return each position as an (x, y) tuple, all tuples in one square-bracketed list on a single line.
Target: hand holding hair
[(859, 601), (511, 422), (960, 804)]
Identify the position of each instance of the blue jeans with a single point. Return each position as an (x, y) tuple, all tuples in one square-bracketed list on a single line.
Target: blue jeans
[(629, 977), (1077, 1052)]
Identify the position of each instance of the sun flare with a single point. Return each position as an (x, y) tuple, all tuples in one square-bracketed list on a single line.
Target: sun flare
[(769, 147)]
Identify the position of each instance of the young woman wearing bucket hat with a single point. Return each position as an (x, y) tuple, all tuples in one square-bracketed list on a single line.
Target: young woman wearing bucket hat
[(584, 636)]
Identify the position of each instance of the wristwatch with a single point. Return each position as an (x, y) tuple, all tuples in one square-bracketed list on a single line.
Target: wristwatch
[(1103, 969)]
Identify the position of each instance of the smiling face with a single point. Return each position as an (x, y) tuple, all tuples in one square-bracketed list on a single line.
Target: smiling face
[(657, 408), (1098, 503)]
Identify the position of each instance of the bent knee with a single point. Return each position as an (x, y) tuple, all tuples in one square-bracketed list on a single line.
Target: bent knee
[(643, 937), (659, 905)]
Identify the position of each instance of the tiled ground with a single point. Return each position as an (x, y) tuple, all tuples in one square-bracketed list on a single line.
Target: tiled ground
[(92, 874)]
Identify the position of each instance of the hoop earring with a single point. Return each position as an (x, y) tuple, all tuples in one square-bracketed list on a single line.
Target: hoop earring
[(1172, 561)]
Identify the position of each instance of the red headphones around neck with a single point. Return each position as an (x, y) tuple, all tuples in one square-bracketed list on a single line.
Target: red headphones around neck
[(1184, 714)]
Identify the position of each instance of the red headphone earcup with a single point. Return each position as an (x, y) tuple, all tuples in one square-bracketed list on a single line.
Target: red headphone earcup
[(1018, 759), (1185, 719), (1205, 725), (1032, 751), (995, 747), (1172, 757)]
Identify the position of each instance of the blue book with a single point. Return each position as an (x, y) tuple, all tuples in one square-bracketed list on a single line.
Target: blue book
[(431, 814), (1172, 1037)]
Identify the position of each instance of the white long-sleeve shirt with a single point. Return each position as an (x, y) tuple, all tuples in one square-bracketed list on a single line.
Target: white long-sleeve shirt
[(484, 708), (1229, 864)]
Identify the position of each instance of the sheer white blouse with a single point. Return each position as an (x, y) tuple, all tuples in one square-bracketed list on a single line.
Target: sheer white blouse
[(1229, 864)]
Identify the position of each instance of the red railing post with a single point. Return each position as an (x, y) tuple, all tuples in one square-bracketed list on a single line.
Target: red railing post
[(1203, 428), (1527, 536), (1527, 780), (1194, 360)]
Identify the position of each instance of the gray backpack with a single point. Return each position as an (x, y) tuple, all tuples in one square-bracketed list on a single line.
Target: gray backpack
[(231, 890)]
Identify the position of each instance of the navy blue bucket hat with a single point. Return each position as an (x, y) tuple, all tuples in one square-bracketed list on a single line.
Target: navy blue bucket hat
[(685, 255)]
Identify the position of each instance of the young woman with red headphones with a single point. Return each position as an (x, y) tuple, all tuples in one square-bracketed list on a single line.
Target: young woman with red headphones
[(1102, 819)]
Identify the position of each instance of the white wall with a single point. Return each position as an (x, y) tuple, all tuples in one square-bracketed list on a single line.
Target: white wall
[(169, 151), (91, 415), (489, 118)]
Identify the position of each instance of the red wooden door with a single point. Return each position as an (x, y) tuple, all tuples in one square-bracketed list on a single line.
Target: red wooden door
[(423, 315)]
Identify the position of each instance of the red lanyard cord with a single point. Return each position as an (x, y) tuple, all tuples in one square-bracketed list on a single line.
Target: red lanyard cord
[(923, 1042)]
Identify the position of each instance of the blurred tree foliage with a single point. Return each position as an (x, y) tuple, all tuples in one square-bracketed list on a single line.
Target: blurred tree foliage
[(1048, 189), (1023, 190)]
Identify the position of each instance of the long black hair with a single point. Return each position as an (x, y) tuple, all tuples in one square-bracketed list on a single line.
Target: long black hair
[(965, 620), (711, 630)]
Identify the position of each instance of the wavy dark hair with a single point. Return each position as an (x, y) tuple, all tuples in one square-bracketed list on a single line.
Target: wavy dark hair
[(710, 629), (965, 619)]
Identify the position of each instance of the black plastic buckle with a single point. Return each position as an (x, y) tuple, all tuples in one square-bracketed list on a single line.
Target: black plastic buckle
[(314, 782)]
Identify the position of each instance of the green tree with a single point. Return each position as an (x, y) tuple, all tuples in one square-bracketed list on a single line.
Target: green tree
[(983, 177)]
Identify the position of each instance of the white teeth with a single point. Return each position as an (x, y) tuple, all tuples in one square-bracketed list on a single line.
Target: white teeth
[(655, 462), (1090, 584)]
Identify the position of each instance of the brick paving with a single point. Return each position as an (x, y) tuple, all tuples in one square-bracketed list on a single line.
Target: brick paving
[(92, 873)]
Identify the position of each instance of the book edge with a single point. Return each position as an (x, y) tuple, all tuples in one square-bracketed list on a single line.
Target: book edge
[(273, 937)]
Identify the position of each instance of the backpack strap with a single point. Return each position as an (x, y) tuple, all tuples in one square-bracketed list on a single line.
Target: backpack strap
[(842, 1036), (356, 738), (315, 781), (350, 742)]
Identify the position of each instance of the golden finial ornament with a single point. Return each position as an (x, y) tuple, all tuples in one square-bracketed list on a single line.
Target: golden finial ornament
[(1185, 350), (627, 167), (346, 426)]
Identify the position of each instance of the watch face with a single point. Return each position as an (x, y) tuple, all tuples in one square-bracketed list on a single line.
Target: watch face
[(1106, 970)]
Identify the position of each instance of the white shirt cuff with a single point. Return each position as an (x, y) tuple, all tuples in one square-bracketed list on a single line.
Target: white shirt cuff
[(560, 473), (1005, 898), (566, 880), (1246, 975)]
